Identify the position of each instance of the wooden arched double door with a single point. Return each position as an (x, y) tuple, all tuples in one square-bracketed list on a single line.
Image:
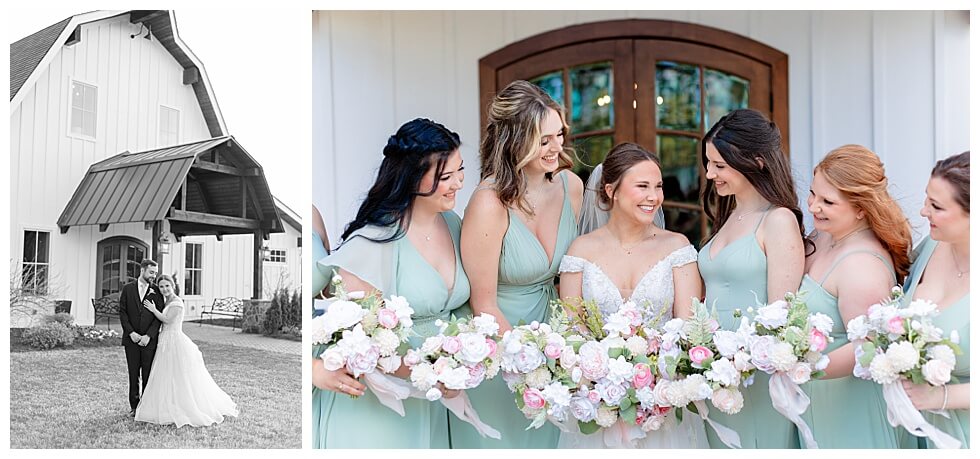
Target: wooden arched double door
[(661, 84)]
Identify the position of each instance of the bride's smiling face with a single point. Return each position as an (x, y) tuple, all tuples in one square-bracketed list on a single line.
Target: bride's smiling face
[(166, 288)]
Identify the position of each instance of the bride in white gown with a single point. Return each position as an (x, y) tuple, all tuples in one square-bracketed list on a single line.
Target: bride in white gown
[(630, 258), (180, 390)]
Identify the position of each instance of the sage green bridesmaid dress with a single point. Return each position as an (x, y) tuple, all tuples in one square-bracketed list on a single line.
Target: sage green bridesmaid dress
[(525, 286), (395, 268), (954, 317), (846, 412), (735, 278)]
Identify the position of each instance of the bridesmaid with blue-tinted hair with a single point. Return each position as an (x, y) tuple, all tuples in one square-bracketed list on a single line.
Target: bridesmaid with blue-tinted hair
[(518, 225), (941, 274), (755, 252), (862, 247), (404, 241)]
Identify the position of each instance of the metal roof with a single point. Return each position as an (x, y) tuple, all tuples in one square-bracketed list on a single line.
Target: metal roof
[(144, 186)]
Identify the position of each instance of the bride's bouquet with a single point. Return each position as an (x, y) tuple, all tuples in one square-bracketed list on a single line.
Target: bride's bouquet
[(788, 344), (461, 356), (699, 361), (891, 343), (366, 335)]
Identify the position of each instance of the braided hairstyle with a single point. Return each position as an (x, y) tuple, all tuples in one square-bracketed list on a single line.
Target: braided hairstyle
[(409, 154)]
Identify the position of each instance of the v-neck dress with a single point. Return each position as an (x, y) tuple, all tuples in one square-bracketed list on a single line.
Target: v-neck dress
[(954, 317), (845, 412), (736, 278), (394, 268), (525, 287)]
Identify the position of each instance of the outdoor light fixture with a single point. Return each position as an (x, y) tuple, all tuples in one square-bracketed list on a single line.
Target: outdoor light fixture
[(264, 251), (164, 243), (146, 35)]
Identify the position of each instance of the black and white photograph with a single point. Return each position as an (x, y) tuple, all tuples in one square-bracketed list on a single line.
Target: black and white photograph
[(155, 239)]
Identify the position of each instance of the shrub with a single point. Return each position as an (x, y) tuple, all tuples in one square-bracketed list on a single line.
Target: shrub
[(293, 314), (48, 336), (62, 318), (272, 324)]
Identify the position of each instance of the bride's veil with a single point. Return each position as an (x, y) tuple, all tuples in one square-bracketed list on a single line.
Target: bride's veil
[(594, 217)]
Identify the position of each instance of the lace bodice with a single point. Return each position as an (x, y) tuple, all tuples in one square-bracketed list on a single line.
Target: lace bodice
[(174, 313), (654, 293)]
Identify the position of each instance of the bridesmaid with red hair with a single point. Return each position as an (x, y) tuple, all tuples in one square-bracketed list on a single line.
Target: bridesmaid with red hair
[(862, 241)]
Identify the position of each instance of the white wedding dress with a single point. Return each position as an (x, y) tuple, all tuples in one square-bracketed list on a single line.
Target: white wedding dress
[(654, 294), (180, 390)]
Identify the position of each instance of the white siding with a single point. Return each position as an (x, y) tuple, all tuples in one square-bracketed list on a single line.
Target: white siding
[(897, 82), (133, 76)]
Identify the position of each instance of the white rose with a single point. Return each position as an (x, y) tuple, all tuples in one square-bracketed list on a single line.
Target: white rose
[(724, 372), (612, 393), (902, 356), (728, 400), (761, 347), (822, 322), (800, 373), (582, 408), (386, 340), (333, 359), (937, 372), (355, 341), (782, 356), (475, 348), (568, 357), (557, 395), (858, 328), (362, 363), (538, 378), (653, 422), (742, 361), (343, 314), (433, 394), (524, 361), (882, 371), (620, 370), (455, 378), (773, 316), (613, 342), (636, 345), (431, 345), (727, 342), (390, 363), (606, 416), (942, 352), (486, 324)]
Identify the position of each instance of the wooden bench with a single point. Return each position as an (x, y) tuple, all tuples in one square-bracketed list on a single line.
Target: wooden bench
[(107, 306), (226, 307)]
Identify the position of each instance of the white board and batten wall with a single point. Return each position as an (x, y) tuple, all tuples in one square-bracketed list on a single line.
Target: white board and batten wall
[(896, 82)]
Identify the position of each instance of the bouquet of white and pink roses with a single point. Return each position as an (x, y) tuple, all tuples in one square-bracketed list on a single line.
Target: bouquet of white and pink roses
[(891, 343), (698, 361), (366, 335), (788, 344), (461, 356)]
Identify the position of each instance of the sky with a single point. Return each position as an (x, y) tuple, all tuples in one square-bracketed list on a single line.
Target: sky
[(258, 61)]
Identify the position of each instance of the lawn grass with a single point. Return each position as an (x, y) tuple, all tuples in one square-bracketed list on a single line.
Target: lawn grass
[(77, 398)]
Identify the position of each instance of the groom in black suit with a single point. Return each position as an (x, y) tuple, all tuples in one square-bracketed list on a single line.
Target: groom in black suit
[(140, 327)]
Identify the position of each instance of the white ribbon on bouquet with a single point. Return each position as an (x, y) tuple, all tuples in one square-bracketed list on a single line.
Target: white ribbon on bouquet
[(390, 390), (790, 401), (460, 406), (901, 412), (727, 435)]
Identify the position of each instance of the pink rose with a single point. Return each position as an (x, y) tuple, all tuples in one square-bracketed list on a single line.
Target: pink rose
[(492, 345), (642, 376), (661, 410), (640, 417), (635, 317), (477, 372), (896, 325), (452, 345), (594, 396), (653, 345), (387, 318), (533, 399), (552, 350), (699, 354), (818, 341)]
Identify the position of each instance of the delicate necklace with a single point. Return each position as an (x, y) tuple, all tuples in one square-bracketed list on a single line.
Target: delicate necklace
[(834, 243), (629, 248), (740, 217), (959, 272)]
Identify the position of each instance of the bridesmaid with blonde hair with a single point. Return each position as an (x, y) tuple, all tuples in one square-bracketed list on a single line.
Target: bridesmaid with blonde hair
[(516, 229), (862, 241), (941, 274)]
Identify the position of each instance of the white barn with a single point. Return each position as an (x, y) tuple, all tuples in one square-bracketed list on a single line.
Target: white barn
[(118, 152), (895, 81)]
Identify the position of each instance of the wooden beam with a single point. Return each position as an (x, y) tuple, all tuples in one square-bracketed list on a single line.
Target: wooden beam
[(219, 236), (155, 244), (144, 15), (63, 229), (183, 194), (257, 262), (204, 196), (222, 169), (213, 219), (191, 75), (244, 195), (148, 225), (103, 227), (254, 197)]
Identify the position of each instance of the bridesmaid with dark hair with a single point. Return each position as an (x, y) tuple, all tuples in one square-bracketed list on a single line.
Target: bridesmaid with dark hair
[(755, 252), (404, 241), (941, 274)]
